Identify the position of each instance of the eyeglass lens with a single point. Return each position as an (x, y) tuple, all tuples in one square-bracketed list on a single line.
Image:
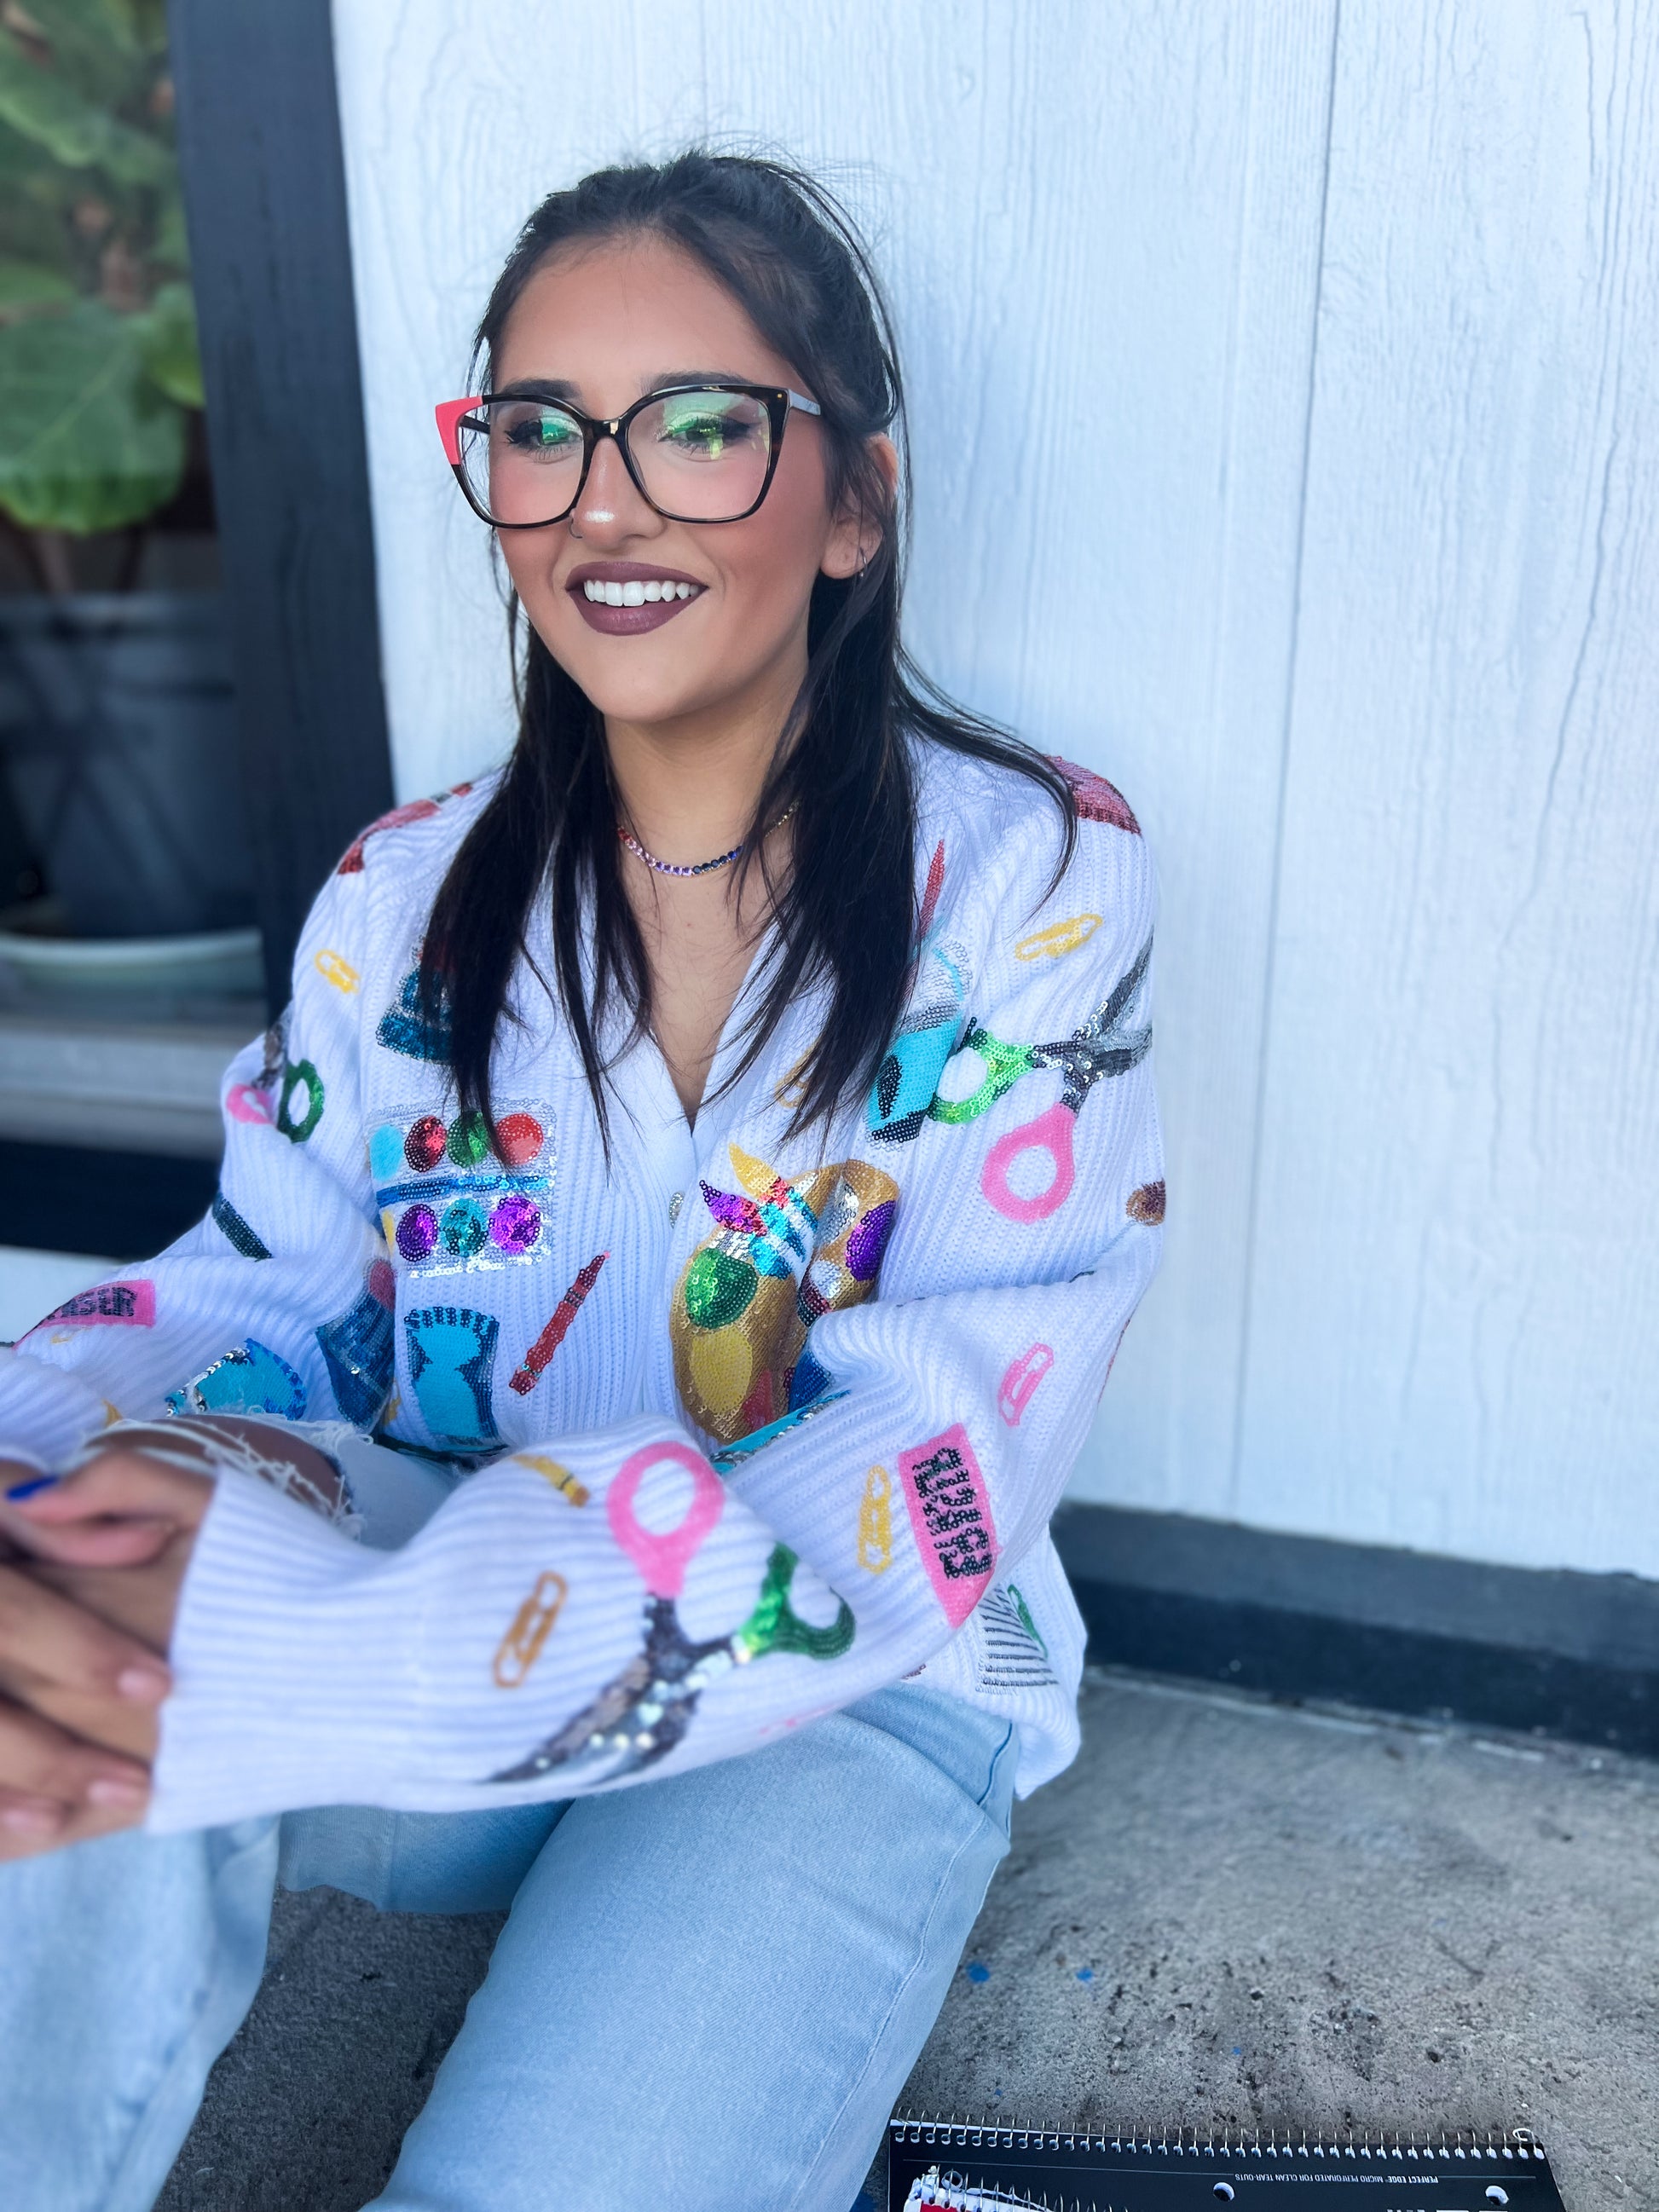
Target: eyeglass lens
[(700, 456)]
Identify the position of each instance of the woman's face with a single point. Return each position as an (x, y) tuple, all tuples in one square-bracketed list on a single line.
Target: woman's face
[(610, 323)]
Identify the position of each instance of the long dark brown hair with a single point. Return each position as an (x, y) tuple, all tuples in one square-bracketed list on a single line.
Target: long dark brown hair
[(845, 762)]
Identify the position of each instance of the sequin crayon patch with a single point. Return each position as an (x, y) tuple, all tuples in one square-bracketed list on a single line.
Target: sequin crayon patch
[(950, 1517), (540, 1353), (107, 1305), (561, 1476)]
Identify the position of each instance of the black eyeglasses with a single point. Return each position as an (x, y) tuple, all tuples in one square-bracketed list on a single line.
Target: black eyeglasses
[(696, 453)]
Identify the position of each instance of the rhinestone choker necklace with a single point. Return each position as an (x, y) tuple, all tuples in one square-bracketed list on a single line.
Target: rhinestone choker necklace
[(693, 867)]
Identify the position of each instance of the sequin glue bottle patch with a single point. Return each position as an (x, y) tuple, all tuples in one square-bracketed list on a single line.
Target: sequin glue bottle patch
[(251, 1379), (452, 1364), (950, 1518)]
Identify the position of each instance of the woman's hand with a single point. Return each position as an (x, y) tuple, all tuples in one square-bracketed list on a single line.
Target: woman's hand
[(89, 1582)]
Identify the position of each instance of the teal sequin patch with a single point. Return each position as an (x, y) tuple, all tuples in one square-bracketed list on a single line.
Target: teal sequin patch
[(252, 1379)]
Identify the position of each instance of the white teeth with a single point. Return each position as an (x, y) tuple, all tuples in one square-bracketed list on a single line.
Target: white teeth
[(634, 594)]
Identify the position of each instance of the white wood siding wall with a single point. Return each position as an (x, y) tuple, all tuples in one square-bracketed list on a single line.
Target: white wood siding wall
[(1331, 337)]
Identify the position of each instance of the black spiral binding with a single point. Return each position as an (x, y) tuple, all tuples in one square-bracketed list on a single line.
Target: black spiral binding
[(1489, 2150)]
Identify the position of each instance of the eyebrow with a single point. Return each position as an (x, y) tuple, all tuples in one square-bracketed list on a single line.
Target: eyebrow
[(557, 388)]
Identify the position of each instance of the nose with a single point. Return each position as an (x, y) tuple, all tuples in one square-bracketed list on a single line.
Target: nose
[(610, 508)]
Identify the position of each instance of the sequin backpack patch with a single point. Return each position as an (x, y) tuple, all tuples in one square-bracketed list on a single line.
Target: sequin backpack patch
[(783, 1251), (452, 1201)]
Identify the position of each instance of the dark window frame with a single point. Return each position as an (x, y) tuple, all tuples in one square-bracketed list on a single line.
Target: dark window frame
[(265, 202)]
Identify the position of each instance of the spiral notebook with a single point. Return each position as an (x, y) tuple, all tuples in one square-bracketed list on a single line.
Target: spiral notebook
[(955, 2166)]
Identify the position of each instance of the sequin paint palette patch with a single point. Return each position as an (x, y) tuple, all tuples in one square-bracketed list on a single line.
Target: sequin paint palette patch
[(450, 1199)]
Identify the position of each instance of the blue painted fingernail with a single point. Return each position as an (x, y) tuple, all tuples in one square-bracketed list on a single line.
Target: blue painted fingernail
[(27, 1489)]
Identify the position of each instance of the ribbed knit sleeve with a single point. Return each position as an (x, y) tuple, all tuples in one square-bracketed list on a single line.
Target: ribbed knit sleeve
[(262, 1305), (595, 1608)]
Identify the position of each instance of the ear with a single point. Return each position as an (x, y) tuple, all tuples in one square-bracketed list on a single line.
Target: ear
[(857, 534)]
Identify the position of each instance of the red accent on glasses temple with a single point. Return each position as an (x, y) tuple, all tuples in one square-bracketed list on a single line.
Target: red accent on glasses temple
[(449, 414)]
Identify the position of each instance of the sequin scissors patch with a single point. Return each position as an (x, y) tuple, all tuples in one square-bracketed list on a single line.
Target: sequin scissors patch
[(646, 1710)]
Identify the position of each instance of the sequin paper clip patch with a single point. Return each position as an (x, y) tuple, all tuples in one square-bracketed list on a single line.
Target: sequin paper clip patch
[(1020, 1382), (450, 1199), (875, 1522), (950, 1515), (521, 1646), (107, 1305)]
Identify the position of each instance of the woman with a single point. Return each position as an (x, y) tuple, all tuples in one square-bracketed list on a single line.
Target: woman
[(726, 1251)]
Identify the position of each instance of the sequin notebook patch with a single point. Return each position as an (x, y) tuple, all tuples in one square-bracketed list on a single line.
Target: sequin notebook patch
[(452, 1201)]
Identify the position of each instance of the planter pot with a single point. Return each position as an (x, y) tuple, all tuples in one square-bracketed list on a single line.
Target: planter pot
[(119, 740)]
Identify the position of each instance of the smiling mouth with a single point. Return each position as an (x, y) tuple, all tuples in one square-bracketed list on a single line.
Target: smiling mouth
[(624, 598)]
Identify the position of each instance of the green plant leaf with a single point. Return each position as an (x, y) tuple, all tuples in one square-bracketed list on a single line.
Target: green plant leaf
[(27, 284), (46, 108), (166, 339), (172, 243), (87, 440)]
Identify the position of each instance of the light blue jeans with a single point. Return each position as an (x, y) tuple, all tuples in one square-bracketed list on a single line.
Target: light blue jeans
[(708, 1994)]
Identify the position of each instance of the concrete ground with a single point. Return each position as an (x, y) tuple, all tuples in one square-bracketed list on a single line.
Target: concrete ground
[(1227, 1912)]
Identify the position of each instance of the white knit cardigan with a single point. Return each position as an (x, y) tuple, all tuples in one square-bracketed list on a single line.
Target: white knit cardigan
[(740, 1428)]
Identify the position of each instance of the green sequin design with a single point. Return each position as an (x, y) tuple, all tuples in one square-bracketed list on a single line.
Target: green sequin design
[(774, 1626), (299, 1075), (719, 1288), (1005, 1064)]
